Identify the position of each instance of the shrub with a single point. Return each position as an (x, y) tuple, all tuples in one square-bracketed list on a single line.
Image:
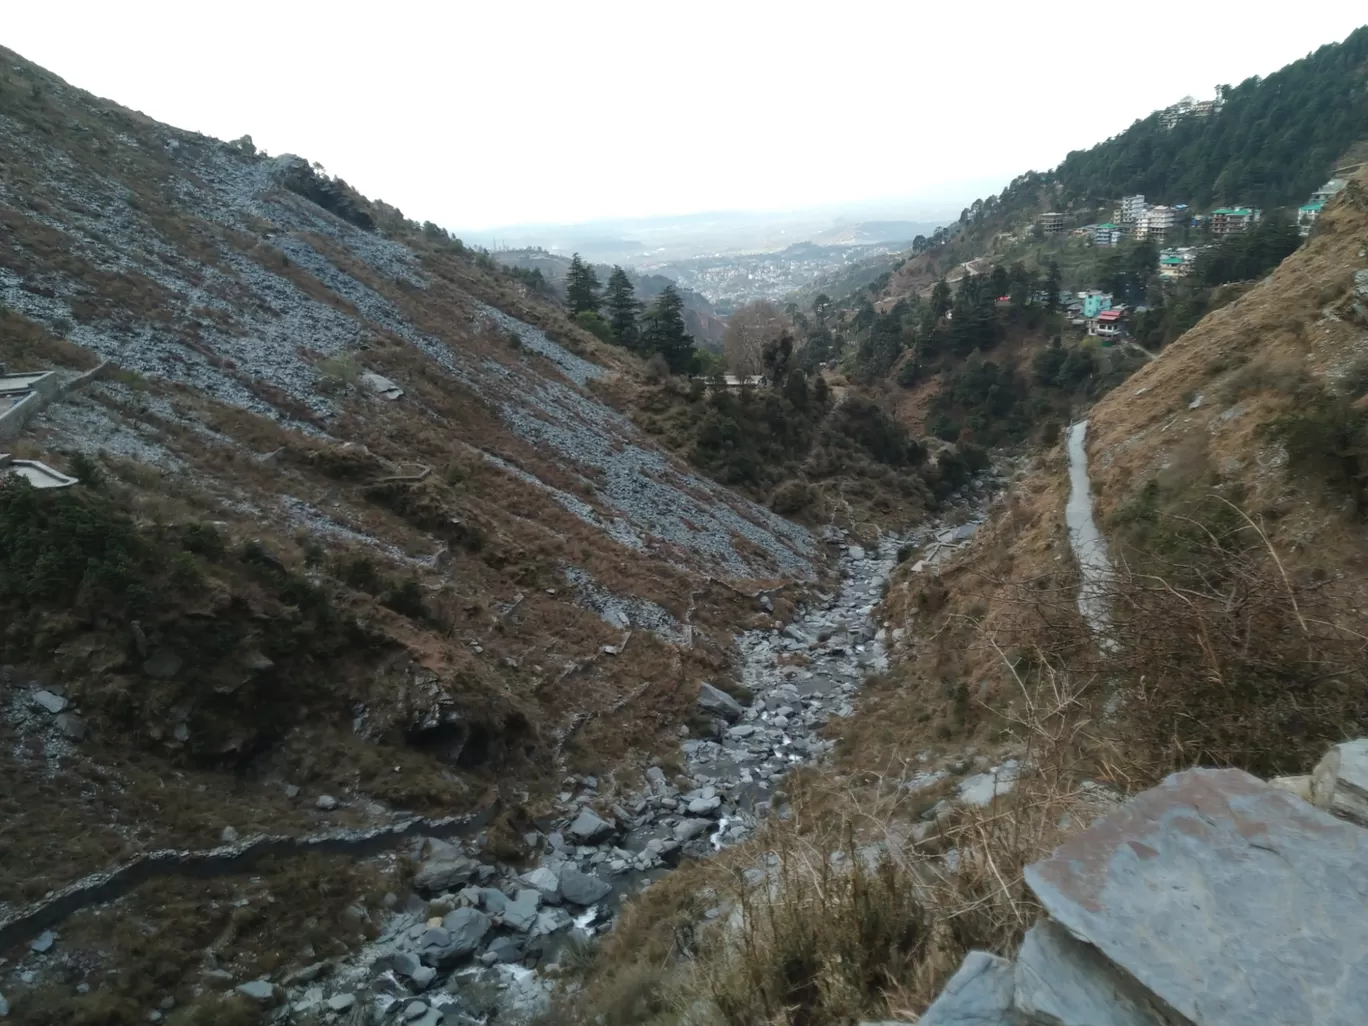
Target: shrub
[(792, 497), (595, 325), (407, 600), (203, 540), (67, 546), (86, 470), (1326, 436), (359, 572), (338, 373)]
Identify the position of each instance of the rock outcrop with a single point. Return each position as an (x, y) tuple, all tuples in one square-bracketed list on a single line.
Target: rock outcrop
[(1213, 899)]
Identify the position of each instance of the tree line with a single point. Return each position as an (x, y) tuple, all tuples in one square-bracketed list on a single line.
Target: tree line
[(614, 314)]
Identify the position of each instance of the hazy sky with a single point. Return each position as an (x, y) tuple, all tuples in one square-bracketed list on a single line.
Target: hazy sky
[(515, 111)]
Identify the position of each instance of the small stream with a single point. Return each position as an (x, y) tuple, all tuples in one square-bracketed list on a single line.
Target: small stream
[(1089, 547)]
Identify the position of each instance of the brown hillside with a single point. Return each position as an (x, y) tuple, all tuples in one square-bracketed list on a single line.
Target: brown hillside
[(288, 575)]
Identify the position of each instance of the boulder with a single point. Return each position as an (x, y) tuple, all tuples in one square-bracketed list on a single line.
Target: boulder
[(1230, 901), (492, 901), (71, 726), (589, 827), (715, 700), (1063, 981), (506, 949), (1339, 783), (257, 990), (979, 994), (49, 702), (549, 921), (521, 913), (467, 927), (688, 829), (444, 871), (704, 806), (582, 888), (544, 882)]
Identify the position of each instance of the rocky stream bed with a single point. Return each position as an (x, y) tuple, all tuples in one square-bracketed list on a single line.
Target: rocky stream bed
[(478, 939)]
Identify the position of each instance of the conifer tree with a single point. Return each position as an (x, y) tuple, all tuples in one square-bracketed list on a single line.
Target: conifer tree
[(1052, 287), (663, 331), (620, 299), (581, 287)]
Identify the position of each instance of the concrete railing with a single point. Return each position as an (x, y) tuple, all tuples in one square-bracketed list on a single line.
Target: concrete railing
[(45, 392)]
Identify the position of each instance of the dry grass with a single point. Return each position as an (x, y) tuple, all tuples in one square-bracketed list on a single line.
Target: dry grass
[(156, 944)]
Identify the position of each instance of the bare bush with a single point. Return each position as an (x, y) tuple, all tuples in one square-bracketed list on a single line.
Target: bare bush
[(749, 330)]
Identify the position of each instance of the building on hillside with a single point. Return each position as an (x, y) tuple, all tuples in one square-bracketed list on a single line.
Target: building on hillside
[(1107, 325), (1095, 302), (1229, 220), (1132, 208), (1307, 214), (1172, 267), (1188, 107), (1328, 191), (1309, 211), (1155, 223), (1108, 234), (1051, 223)]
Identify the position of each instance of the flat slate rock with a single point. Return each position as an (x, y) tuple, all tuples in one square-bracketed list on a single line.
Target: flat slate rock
[(1339, 782), (582, 888), (589, 827), (979, 994), (1234, 903), (718, 701), (1063, 981)]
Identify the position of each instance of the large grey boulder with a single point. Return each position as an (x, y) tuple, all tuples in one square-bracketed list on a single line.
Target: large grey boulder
[(688, 829), (544, 881), (1062, 981), (582, 888), (1339, 783), (521, 913), (979, 994), (715, 700), (589, 827), (444, 871), (467, 927), (1233, 903)]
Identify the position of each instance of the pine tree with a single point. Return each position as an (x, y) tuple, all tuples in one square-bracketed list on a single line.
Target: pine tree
[(1052, 287), (663, 331), (620, 299), (581, 287)]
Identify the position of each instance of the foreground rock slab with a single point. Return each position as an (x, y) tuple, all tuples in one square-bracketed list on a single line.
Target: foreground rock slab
[(979, 994), (1339, 783), (1233, 903)]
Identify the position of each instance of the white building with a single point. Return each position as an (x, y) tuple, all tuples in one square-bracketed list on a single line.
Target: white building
[(1132, 208), (1156, 223)]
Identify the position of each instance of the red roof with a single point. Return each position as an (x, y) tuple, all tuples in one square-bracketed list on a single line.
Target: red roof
[(1109, 315)]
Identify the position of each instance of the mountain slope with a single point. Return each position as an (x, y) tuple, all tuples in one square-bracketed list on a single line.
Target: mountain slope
[(351, 519)]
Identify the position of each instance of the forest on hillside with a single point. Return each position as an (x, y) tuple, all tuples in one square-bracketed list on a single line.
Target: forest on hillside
[(1274, 140)]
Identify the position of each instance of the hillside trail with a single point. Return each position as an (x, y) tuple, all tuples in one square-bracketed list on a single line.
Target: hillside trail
[(1089, 547)]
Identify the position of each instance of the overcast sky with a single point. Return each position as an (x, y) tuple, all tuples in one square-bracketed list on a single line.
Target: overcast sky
[(513, 111)]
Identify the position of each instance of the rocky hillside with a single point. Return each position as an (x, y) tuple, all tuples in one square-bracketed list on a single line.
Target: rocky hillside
[(355, 537)]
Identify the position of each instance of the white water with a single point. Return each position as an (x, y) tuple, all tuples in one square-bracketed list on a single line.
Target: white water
[(1089, 547)]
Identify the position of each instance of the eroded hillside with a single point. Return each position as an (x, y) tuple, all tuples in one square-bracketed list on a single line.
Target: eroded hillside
[(355, 536)]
